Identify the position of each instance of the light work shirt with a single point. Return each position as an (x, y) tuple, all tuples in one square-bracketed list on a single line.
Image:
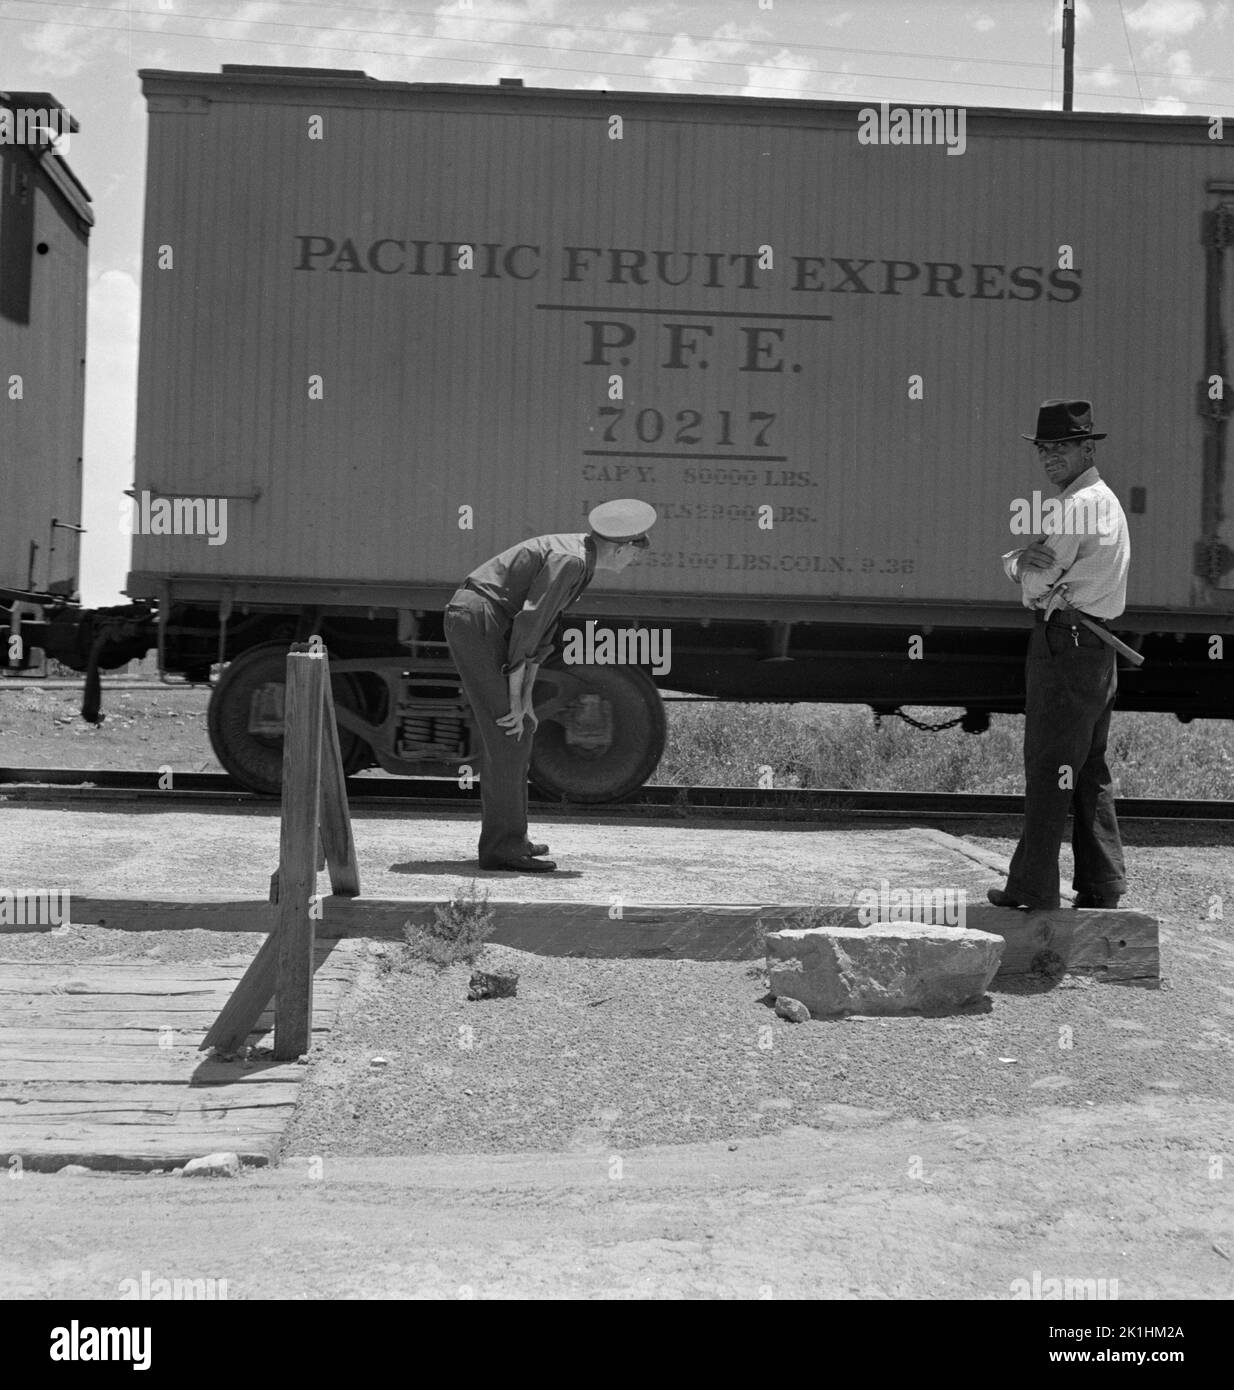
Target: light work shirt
[(1092, 551), (533, 583)]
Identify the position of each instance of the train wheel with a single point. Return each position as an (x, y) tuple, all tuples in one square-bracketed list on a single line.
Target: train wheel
[(245, 719), (601, 734)]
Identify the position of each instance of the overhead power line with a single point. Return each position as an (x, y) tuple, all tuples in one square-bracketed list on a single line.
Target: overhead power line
[(496, 58), (1126, 35), (470, 17)]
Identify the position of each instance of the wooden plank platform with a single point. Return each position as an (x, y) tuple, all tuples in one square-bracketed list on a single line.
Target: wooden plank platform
[(99, 1062)]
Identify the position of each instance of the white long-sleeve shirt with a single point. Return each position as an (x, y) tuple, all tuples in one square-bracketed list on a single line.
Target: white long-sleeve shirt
[(1092, 550)]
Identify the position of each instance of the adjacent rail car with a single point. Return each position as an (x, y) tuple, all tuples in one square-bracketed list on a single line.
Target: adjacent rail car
[(45, 221), (389, 328)]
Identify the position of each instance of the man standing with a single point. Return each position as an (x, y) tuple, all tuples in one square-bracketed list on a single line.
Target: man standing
[(500, 629), (1071, 675)]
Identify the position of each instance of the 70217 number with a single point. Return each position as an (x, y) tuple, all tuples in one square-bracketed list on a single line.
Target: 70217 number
[(650, 427)]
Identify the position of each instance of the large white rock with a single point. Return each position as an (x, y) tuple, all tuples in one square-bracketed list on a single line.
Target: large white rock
[(219, 1165), (886, 968)]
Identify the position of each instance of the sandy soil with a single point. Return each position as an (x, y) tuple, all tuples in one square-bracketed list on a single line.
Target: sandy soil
[(853, 1209), (919, 1164)]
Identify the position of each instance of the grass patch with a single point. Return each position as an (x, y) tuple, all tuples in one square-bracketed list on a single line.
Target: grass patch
[(456, 935), (837, 746)]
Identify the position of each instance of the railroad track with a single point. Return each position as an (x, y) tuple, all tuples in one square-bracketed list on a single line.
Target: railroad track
[(443, 795)]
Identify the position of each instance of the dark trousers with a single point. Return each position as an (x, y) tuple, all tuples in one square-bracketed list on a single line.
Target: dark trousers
[(478, 634), (1070, 697)]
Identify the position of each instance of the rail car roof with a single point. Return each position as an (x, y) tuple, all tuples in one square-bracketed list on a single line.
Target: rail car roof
[(63, 179), (509, 94)]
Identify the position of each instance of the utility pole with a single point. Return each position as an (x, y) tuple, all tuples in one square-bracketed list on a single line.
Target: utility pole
[(1068, 52)]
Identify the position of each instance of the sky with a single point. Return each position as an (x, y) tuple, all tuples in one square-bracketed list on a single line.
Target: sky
[(1168, 57)]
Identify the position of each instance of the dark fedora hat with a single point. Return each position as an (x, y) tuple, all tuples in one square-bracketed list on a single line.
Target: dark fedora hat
[(1060, 420)]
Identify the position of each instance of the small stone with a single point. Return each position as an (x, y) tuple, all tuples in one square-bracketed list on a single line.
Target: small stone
[(378, 1062), (219, 1165), (72, 1170), (496, 984), (792, 1009)]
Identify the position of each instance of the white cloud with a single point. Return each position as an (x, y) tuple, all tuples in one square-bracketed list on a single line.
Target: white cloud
[(1165, 106), (82, 34), (1104, 77), (720, 60), (786, 74), (1165, 17), (980, 20), (1186, 80)]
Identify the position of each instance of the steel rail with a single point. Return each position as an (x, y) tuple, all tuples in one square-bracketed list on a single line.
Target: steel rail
[(446, 795)]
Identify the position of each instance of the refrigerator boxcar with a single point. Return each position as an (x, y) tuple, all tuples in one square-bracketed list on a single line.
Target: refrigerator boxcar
[(388, 329), (45, 222)]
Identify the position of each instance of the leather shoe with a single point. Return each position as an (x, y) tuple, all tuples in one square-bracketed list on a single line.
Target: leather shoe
[(1001, 899), (1094, 900), (537, 850), (525, 864)]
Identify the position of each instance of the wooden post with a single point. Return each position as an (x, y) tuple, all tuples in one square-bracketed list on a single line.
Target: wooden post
[(336, 838), (315, 823), (302, 729)]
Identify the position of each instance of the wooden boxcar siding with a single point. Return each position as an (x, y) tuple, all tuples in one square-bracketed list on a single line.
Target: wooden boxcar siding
[(41, 435), (444, 391)]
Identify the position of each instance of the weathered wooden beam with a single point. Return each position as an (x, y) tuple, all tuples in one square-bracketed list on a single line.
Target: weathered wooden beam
[(1111, 944), (248, 1001), (337, 844), (307, 674)]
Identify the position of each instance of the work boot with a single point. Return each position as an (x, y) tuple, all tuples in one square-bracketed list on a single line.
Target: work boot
[(1001, 899)]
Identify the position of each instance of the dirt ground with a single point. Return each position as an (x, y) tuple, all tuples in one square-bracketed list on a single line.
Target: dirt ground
[(918, 1158), (651, 1146), (858, 1208)]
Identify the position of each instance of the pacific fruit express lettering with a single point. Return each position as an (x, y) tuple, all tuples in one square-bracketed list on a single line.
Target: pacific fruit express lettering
[(593, 265)]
